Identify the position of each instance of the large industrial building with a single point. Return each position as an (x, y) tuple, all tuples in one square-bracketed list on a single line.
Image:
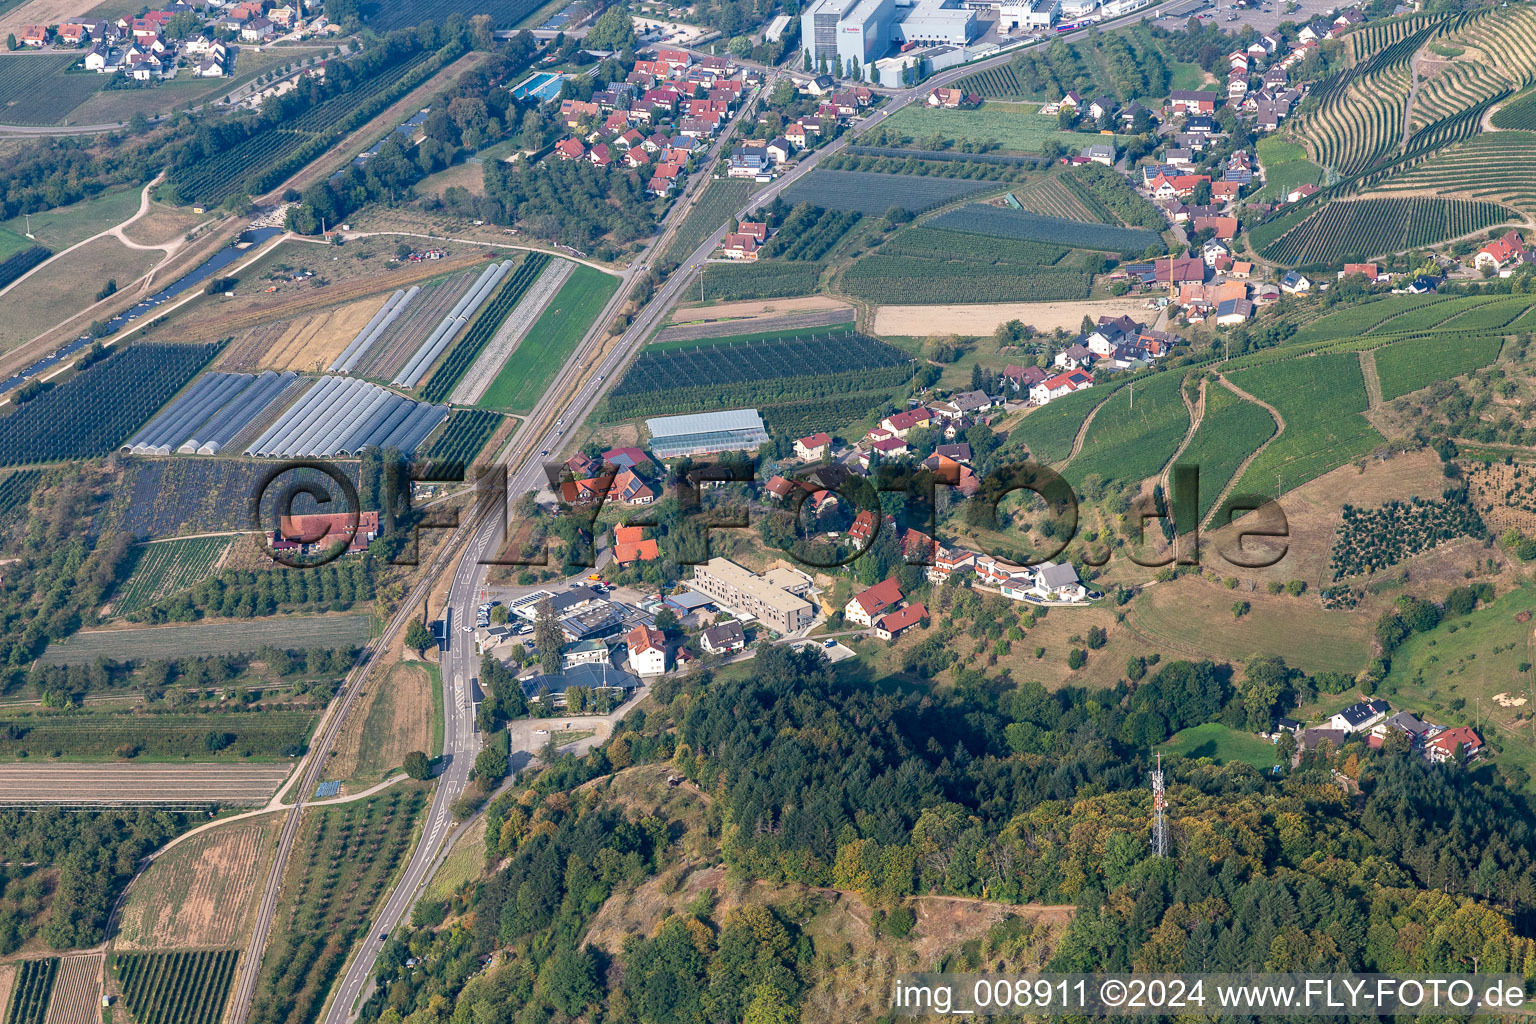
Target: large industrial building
[(838, 33)]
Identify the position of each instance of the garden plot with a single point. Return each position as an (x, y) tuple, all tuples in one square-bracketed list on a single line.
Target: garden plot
[(115, 785), (160, 642), (873, 193)]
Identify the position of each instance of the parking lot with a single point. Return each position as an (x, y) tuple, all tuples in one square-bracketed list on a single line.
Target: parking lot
[(1264, 18)]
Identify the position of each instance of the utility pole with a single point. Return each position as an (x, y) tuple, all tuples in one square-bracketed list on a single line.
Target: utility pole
[(1133, 395), (1159, 812), (29, 225)]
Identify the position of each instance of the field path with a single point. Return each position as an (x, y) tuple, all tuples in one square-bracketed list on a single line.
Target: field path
[(1372, 381), (1242, 468), (1196, 412), (511, 333), (1413, 95), (1082, 431)]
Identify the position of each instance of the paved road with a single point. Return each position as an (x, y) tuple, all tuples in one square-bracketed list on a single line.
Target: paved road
[(571, 398)]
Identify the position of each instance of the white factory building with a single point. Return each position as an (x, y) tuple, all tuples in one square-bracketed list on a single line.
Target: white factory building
[(837, 33)]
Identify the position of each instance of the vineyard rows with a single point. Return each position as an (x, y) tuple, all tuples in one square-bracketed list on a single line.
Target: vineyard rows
[(937, 243), (467, 432), (866, 192), (758, 281), (34, 984), (1372, 227), (18, 263), (1507, 36), (722, 197), (1231, 429), (1517, 114), (810, 232), (267, 734), (262, 160), (122, 391), (160, 570), (77, 991), (1005, 223), (993, 83), (1408, 365), (902, 279), (1458, 87), (177, 988), (1493, 166), (484, 328), (1057, 197), (16, 489), (505, 14)]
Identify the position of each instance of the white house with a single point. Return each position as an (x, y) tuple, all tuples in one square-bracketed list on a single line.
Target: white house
[(870, 604), (1359, 717), (1058, 583), (647, 651)]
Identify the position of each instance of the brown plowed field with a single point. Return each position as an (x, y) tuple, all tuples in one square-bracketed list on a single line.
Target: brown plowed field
[(198, 894), (307, 344), (77, 991), (78, 785)]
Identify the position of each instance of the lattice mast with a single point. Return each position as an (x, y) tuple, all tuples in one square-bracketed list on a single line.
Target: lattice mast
[(1159, 812)]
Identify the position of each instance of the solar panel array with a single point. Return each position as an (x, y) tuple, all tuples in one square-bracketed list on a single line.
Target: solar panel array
[(209, 414), (344, 415)]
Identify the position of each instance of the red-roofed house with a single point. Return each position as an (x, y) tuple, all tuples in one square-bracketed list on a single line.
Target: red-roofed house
[(1059, 386), (321, 531), (1225, 191), (1225, 228), (864, 526), (570, 149), (600, 155), (902, 422), (1442, 748), (739, 247), (1500, 251), (1369, 270), (572, 111), (892, 624), (817, 446), (33, 35), (630, 546), (867, 605)]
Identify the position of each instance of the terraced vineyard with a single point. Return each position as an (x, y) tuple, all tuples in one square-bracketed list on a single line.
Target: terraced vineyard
[(1135, 433), (1495, 166), (1321, 398), (1231, 430), (1355, 126), (1462, 85), (1372, 227), (1405, 366)]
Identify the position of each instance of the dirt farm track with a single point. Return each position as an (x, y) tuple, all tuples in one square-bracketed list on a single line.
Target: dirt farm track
[(85, 785)]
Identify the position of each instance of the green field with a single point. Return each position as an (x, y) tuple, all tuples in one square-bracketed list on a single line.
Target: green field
[(183, 987), (1005, 126), (526, 374), (63, 226), (12, 242), (1050, 430), (1354, 320), (228, 636), (1222, 744), (731, 339), (160, 570), (1134, 433), (1285, 167), (1321, 398), (1406, 366), (1443, 674), (91, 736), (36, 90), (1231, 429)]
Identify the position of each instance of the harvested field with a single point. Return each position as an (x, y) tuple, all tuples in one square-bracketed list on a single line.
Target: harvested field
[(757, 325), (511, 333), (311, 343), (750, 308), (163, 224), (979, 319), (78, 785), (292, 631), (77, 991), (41, 12), (199, 894), (390, 352), (393, 718), (69, 285)]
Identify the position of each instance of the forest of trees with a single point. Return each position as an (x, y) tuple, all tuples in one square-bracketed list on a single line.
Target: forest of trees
[(987, 789)]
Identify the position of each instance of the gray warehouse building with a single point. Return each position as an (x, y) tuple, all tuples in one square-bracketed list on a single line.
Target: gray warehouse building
[(839, 32)]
